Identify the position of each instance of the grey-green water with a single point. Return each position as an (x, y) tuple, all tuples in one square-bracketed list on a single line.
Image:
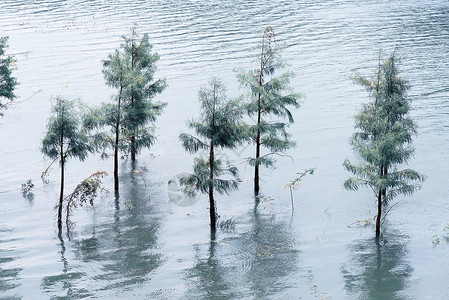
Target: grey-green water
[(142, 246)]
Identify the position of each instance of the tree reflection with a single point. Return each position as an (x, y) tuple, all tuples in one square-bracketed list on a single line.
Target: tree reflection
[(9, 276), (126, 246), (117, 251), (257, 264), (64, 285), (210, 275), (378, 268)]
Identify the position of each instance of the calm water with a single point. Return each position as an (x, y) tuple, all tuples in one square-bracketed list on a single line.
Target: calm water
[(142, 246)]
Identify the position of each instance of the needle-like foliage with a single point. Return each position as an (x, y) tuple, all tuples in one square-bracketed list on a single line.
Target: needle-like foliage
[(128, 123), (7, 82), (141, 87), (218, 127), (383, 138), (106, 122), (64, 139), (270, 99)]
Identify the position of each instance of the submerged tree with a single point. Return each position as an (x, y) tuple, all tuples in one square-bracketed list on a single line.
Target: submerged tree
[(7, 82), (128, 124), (270, 98), (141, 112), (64, 140), (107, 121), (383, 138), (218, 127)]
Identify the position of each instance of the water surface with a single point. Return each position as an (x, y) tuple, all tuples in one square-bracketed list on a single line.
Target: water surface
[(141, 246)]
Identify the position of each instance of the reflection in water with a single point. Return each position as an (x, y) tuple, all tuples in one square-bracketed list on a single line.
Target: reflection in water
[(118, 253), (257, 264), (378, 268), (273, 256), (64, 285), (325, 42), (125, 247), (9, 274), (210, 275)]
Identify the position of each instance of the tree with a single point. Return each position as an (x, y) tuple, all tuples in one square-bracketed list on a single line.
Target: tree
[(64, 140), (383, 138), (7, 82), (128, 124), (270, 98), (218, 127), (140, 89), (107, 121)]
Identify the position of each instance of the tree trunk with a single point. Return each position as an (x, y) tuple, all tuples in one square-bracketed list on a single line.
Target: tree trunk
[(379, 212), (61, 196), (117, 139), (259, 112), (116, 185), (384, 191), (256, 167), (133, 137), (212, 211), (133, 148)]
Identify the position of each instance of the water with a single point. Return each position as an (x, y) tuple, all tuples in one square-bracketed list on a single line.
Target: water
[(141, 246)]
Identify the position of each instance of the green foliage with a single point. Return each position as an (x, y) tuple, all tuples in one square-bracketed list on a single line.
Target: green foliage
[(139, 89), (445, 235), (85, 192), (200, 180), (102, 123), (64, 138), (294, 184), (7, 82), (435, 240), (446, 228), (383, 137), (128, 124), (131, 69), (27, 187), (219, 126), (269, 101)]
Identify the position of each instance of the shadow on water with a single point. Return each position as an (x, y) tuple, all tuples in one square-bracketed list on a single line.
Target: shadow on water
[(9, 275), (378, 268), (259, 263), (210, 275), (64, 285), (118, 251)]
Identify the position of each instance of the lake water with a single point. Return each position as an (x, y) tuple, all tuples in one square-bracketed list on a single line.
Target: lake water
[(142, 246)]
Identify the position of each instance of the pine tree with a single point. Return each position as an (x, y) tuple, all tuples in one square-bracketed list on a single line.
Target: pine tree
[(7, 82), (128, 124), (270, 98), (107, 121), (64, 140), (140, 90), (218, 127), (383, 138)]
